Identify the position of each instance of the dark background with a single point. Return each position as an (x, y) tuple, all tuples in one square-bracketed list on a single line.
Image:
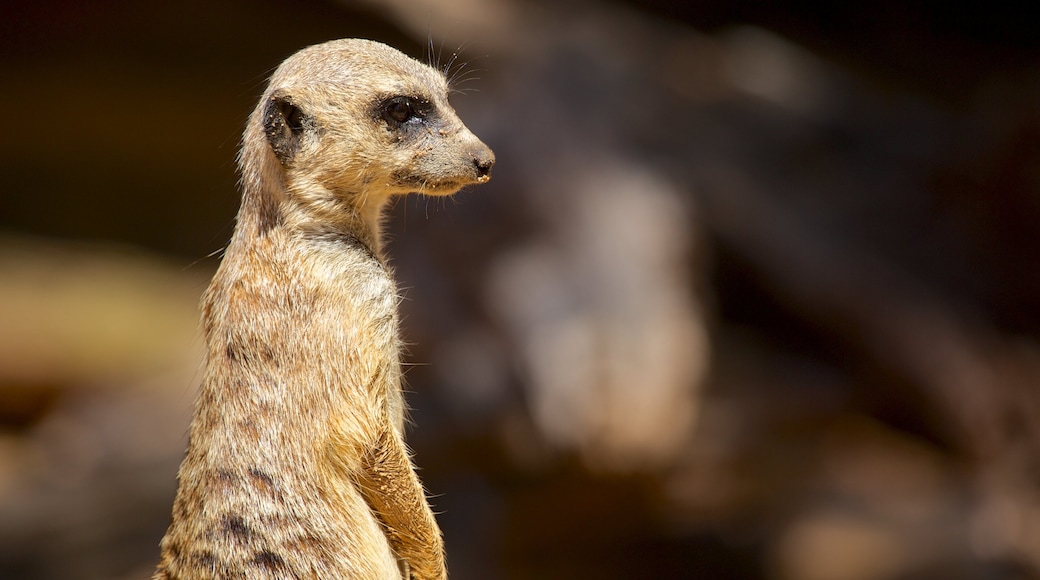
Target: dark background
[(852, 282)]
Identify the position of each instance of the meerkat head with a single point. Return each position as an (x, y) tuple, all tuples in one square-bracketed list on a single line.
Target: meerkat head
[(351, 122)]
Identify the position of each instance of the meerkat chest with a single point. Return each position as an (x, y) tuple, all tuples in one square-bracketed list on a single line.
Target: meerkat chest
[(361, 298), (318, 306), (357, 283)]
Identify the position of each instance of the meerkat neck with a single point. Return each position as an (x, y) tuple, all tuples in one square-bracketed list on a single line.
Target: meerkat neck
[(322, 214), (312, 211), (319, 214)]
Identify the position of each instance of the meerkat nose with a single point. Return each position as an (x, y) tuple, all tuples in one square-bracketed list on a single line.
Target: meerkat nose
[(483, 160)]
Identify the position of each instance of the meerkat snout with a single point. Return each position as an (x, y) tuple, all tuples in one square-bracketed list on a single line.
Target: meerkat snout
[(483, 157)]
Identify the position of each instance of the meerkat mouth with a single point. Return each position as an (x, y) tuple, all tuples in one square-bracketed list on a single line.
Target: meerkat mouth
[(450, 187), (443, 188)]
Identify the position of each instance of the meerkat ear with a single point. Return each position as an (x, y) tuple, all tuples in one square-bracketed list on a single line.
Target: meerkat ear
[(283, 126)]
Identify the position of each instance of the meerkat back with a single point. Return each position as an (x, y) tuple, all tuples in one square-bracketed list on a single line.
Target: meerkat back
[(296, 464)]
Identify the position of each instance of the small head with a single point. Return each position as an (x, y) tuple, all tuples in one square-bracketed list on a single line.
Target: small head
[(354, 121)]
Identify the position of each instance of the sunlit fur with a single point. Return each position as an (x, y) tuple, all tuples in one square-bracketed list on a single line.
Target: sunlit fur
[(296, 465)]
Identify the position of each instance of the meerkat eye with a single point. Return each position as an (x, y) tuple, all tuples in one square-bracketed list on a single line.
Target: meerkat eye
[(399, 110)]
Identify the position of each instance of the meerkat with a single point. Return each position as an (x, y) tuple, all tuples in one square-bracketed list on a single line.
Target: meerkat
[(296, 464)]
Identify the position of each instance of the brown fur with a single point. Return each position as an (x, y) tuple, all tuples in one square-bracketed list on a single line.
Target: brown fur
[(296, 464)]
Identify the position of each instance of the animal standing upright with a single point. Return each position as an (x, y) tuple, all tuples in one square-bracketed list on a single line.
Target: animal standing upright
[(296, 464)]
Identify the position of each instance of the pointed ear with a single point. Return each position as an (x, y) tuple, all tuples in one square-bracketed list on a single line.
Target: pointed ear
[(284, 124)]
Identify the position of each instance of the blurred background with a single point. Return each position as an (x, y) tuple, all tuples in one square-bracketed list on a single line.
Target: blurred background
[(753, 293)]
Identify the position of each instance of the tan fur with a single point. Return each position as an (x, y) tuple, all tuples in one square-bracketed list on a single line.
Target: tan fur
[(296, 464)]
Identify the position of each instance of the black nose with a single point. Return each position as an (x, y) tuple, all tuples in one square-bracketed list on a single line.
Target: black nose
[(484, 160)]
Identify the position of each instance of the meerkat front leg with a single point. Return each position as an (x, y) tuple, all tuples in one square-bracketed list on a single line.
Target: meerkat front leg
[(388, 483)]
